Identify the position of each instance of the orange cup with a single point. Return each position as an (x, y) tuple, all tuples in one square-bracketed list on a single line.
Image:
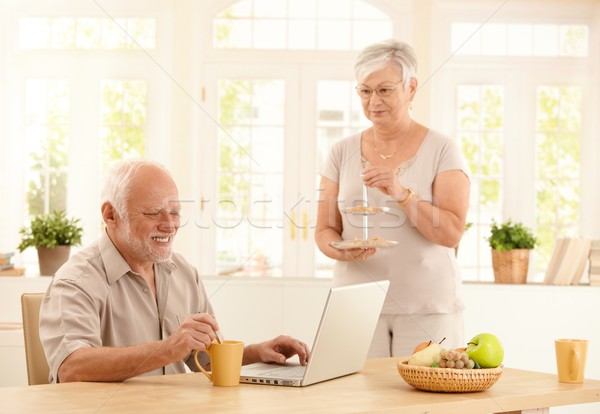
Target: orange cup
[(571, 355), (225, 362)]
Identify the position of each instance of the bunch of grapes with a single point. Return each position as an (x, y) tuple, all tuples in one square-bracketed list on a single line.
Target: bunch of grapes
[(455, 359)]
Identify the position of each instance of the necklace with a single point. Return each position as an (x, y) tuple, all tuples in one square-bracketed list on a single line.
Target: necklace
[(383, 156), (387, 156)]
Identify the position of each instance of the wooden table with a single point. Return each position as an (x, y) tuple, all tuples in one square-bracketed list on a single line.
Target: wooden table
[(378, 388)]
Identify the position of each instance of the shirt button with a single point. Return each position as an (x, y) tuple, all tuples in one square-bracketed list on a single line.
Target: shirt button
[(146, 290)]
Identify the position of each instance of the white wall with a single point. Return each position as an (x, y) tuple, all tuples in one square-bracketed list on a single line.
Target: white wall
[(527, 318)]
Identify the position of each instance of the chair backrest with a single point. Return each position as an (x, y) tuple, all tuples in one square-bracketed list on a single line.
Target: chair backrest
[(37, 365)]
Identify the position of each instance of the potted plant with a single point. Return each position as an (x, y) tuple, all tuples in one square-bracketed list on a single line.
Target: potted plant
[(511, 244), (52, 235)]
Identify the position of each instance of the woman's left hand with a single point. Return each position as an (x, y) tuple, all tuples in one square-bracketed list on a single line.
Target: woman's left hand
[(384, 179)]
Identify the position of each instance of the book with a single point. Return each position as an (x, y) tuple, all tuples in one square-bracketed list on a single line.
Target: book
[(5, 258), (584, 254), (555, 260), (569, 262)]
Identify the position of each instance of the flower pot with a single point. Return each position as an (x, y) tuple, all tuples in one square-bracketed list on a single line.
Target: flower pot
[(510, 266), (51, 258)]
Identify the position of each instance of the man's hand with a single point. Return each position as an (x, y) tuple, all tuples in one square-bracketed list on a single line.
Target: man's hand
[(278, 350), (196, 332)]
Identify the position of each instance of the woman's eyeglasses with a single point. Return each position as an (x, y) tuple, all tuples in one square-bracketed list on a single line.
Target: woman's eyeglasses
[(365, 92)]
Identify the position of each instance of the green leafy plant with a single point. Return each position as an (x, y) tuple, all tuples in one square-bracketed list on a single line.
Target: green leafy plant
[(51, 230), (509, 236)]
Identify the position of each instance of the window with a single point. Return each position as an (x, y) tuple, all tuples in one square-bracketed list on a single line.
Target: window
[(480, 134), (249, 210), (79, 93), (520, 123), (339, 114), (519, 39), (558, 161), (86, 33), (47, 143), (123, 109), (300, 24), (277, 123)]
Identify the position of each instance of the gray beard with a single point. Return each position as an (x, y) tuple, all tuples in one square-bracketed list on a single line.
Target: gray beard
[(138, 248)]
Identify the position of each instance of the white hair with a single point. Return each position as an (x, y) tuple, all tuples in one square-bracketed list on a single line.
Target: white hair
[(117, 183), (377, 55)]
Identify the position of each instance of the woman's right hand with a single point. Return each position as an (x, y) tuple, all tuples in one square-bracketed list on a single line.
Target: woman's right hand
[(351, 255)]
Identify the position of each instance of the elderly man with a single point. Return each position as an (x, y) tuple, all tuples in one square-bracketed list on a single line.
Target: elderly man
[(127, 305)]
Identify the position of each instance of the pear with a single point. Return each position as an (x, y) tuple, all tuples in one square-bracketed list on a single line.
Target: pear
[(426, 357)]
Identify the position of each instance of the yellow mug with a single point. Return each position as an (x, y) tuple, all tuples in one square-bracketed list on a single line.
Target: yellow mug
[(571, 355), (225, 362)]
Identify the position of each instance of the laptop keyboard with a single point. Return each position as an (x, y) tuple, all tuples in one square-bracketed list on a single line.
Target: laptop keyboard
[(296, 371)]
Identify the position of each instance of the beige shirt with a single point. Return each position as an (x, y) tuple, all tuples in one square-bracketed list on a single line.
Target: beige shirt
[(96, 300), (424, 276)]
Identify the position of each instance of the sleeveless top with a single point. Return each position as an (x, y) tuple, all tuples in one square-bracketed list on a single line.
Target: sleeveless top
[(424, 276)]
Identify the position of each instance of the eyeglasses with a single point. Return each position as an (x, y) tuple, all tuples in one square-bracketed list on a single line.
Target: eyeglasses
[(365, 92)]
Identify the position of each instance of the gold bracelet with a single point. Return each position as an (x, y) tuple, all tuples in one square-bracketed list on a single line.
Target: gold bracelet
[(408, 197)]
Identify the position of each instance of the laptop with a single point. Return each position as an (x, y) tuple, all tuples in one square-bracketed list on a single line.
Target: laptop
[(341, 344)]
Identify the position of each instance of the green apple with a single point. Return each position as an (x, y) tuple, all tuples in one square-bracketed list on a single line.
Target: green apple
[(426, 357), (486, 349)]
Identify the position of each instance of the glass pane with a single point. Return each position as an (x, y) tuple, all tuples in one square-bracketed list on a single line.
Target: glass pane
[(545, 40), (63, 33), (299, 9), (143, 32), (46, 144), (333, 34), (480, 135), (250, 176), (468, 106), (370, 32), (89, 33), (520, 39), (493, 39), (334, 9), (241, 8), (558, 159), (270, 8), (573, 40), (112, 34), (123, 112), (302, 34), (233, 33), (465, 39), (364, 10), (34, 33), (269, 34)]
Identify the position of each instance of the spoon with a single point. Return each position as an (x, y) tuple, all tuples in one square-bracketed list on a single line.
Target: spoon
[(365, 217)]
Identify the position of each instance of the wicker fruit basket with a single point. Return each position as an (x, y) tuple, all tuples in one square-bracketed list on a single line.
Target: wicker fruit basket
[(448, 379)]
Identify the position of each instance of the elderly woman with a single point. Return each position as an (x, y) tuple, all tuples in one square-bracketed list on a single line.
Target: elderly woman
[(418, 178)]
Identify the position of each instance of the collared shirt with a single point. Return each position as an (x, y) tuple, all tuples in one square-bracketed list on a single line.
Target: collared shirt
[(96, 300)]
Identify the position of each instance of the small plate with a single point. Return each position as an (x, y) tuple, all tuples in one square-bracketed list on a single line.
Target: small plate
[(364, 244), (364, 210)]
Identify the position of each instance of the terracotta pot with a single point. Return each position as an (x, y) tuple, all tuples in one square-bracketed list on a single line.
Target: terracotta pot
[(50, 259)]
